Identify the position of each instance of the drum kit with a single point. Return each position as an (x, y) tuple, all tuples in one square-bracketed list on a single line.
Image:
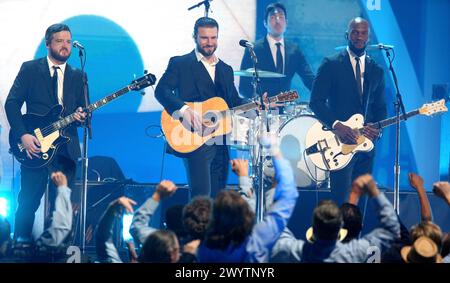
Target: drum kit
[(291, 127)]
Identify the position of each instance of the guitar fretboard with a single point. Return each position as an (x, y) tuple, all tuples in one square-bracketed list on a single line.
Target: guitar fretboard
[(69, 119), (391, 121), (249, 106)]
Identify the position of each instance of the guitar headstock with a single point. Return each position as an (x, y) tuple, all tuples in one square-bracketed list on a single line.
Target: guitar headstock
[(433, 108), (143, 82), (286, 96)]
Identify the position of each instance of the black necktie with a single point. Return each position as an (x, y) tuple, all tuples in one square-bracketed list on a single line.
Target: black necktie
[(358, 76), (55, 83), (279, 58)]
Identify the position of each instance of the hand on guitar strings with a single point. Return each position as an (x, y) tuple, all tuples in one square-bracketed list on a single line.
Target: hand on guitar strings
[(31, 145), (80, 115), (346, 134), (371, 132), (192, 119)]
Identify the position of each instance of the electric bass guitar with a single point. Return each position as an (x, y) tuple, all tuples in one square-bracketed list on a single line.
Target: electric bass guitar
[(216, 121), (327, 152), (49, 128)]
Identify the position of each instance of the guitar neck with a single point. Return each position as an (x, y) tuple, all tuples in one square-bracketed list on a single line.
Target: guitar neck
[(252, 105), (388, 122), (69, 119)]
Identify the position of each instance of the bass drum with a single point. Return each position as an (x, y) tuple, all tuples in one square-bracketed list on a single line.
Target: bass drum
[(292, 136)]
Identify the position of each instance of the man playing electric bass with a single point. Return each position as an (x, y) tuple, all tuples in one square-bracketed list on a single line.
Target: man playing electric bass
[(42, 84)]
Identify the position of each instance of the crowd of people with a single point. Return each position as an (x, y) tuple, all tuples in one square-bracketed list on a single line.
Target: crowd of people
[(224, 228)]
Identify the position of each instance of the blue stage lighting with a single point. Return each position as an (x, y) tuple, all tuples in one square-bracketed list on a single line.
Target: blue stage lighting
[(126, 223), (4, 206)]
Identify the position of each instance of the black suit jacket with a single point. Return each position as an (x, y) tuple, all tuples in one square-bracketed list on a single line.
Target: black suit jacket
[(33, 86), (335, 95), (187, 80), (294, 62)]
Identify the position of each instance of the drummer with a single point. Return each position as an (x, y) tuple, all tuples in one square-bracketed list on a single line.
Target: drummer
[(273, 51)]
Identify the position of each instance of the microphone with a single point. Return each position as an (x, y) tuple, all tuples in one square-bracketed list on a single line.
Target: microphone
[(249, 45), (384, 46), (78, 45), (245, 43)]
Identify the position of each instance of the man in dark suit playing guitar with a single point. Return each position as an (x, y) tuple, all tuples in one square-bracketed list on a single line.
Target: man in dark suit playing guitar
[(42, 84), (196, 77), (346, 84)]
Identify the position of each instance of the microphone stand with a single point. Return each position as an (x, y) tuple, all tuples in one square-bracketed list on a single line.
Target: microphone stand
[(84, 159), (207, 6), (398, 106), (260, 157)]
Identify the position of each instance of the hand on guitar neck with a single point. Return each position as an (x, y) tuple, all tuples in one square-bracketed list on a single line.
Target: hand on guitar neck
[(350, 136), (80, 115)]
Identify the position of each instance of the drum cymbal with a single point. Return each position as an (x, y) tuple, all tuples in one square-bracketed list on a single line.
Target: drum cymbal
[(262, 74)]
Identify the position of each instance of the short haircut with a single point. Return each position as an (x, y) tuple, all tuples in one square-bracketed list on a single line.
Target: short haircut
[(352, 218), (205, 22), (357, 20), (54, 29), (158, 247), (327, 220), (196, 217), (272, 7), (231, 223)]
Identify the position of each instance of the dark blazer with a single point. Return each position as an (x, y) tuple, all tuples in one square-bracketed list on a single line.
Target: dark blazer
[(294, 62), (33, 86), (335, 95), (187, 80)]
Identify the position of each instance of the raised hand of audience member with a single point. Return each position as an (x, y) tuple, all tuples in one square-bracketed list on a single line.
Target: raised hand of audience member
[(442, 190), (367, 185), (239, 167), (416, 181), (59, 179), (191, 247), (355, 193), (124, 203), (164, 189)]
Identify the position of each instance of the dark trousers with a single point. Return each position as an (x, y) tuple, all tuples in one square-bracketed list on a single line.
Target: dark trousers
[(207, 170), (341, 180), (33, 185)]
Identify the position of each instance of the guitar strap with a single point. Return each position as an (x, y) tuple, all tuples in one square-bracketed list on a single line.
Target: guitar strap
[(369, 89)]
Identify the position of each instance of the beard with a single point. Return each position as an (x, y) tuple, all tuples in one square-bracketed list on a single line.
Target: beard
[(356, 51), (58, 57), (205, 52)]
